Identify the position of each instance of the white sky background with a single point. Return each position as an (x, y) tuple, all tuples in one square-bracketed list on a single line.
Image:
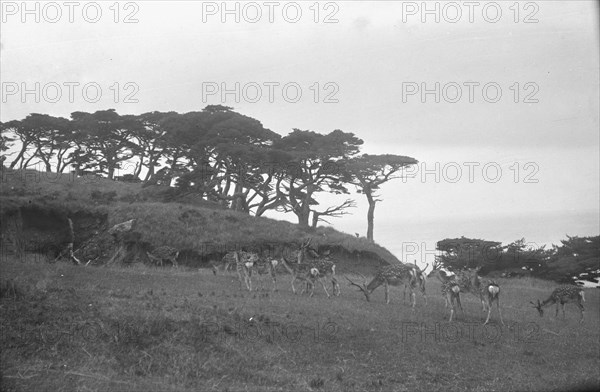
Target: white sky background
[(368, 54)]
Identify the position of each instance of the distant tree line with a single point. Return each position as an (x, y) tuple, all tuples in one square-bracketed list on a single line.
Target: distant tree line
[(576, 258), (217, 153)]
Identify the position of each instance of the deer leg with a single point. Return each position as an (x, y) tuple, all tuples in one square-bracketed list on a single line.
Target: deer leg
[(304, 287), (459, 304), (312, 288), (324, 287), (580, 306), (336, 287), (488, 315), (240, 279), (293, 288), (387, 293), (499, 312), (451, 301)]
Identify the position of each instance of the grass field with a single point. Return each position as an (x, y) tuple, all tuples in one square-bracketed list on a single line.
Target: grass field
[(67, 328)]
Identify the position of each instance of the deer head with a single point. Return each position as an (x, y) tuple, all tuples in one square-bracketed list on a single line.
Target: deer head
[(362, 286)]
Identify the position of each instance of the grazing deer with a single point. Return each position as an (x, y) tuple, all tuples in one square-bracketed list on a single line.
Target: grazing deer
[(420, 281), (393, 275), (562, 296), (451, 292), (158, 255), (470, 282)]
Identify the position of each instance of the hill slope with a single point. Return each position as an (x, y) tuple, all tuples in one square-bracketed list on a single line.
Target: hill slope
[(35, 205)]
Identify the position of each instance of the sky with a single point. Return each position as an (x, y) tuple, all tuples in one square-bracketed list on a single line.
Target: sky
[(498, 101)]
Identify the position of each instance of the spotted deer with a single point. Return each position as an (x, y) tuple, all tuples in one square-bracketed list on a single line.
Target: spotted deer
[(265, 266), (162, 253), (562, 296), (322, 269), (393, 275), (451, 292), (421, 279), (470, 282), (244, 261), (444, 276), (299, 255), (300, 272)]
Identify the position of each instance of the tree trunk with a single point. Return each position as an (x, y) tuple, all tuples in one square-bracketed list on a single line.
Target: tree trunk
[(138, 167), (370, 216), (19, 156), (315, 219)]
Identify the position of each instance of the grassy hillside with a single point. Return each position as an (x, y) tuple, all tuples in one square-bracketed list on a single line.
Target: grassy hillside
[(196, 227), (65, 327)]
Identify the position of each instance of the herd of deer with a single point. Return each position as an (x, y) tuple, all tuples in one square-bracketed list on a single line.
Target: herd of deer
[(308, 266)]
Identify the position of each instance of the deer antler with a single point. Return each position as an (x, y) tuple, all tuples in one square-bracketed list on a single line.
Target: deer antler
[(362, 287)]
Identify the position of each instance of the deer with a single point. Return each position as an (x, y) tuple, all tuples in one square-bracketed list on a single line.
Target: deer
[(299, 256), (451, 293), (561, 296), (158, 255), (311, 271), (394, 275), (444, 276), (321, 269), (244, 261), (265, 266), (470, 282), (303, 272), (421, 280)]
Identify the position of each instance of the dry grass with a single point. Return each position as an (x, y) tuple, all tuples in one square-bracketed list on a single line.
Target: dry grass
[(143, 328)]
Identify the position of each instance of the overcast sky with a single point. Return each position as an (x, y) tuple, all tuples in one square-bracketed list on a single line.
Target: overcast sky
[(536, 120)]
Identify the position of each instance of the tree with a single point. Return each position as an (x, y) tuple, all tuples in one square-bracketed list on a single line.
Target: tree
[(336, 211), (314, 166), (151, 141), (51, 138), (5, 143), (576, 258), (106, 137), (222, 157), (459, 253), (25, 135), (369, 172)]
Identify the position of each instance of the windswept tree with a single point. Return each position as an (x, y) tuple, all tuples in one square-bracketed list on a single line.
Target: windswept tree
[(5, 143), (576, 258), (26, 136), (458, 253), (106, 138), (369, 172), (151, 141), (52, 139), (314, 166), (224, 158)]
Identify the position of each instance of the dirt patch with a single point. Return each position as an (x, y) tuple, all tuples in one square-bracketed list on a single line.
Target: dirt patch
[(45, 230)]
